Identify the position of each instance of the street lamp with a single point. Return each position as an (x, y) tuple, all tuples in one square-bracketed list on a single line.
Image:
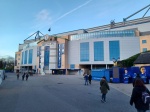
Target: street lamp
[(115, 60)]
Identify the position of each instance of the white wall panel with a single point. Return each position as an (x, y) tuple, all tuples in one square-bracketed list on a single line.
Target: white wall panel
[(53, 52), (52, 59), (52, 66)]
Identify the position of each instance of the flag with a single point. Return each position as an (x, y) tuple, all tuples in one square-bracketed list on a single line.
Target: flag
[(49, 29)]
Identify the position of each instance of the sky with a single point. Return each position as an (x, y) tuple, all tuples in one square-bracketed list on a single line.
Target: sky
[(21, 18)]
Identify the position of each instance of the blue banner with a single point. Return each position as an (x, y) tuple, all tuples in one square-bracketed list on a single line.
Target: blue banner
[(46, 56)]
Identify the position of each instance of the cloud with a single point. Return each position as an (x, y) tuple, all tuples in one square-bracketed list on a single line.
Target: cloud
[(43, 18), (73, 10), (43, 15)]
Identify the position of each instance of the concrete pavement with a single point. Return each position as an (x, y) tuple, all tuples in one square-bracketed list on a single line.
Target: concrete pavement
[(61, 93)]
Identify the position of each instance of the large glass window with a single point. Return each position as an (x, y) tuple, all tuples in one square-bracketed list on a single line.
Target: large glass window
[(22, 58), (30, 56), (99, 51), (46, 56), (25, 57), (72, 66), (84, 51), (103, 34), (114, 50)]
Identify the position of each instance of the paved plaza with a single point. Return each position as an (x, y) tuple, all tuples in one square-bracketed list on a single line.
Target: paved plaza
[(61, 93)]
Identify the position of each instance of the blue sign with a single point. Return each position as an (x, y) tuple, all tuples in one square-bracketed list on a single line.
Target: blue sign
[(46, 56), (60, 52)]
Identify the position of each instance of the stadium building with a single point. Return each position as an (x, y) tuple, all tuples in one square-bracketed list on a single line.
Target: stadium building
[(75, 52)]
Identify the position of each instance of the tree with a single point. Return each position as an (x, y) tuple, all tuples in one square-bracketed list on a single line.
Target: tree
[(1, 64)]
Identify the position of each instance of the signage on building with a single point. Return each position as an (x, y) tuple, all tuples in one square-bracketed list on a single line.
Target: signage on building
[(46, 37), (60, 52), (48, 44), (59, 55)]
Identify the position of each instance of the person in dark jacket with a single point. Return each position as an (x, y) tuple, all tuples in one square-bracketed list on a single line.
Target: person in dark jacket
[(23, 76), (17, 75), (104, 87), (136, 96), (90, 78), (86, 79), (27, 75)]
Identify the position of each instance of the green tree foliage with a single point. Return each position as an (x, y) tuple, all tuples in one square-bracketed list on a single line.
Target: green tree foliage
[(129, 61), (1, 64)]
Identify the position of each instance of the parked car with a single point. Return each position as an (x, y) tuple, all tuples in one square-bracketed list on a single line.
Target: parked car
[(1, 80)]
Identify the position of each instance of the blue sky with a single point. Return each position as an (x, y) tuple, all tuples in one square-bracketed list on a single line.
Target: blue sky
[(21, 18)]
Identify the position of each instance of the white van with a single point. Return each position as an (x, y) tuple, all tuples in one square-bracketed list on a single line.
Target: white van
[(2, 74)]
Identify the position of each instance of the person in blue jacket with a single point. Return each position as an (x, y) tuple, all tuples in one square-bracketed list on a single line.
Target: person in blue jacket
[(126, 77), (143, 74)]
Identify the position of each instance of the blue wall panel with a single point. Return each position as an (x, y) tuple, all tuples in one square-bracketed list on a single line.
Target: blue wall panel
[(98, 74)]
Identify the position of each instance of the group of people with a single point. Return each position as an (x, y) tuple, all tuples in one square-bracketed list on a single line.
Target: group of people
[(87, 78), (24, 75), (137, 92), (104, 87)]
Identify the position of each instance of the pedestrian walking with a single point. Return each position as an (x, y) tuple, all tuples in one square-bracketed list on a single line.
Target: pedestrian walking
[(17, 75), (104, 87), (86, 79), (90, 78), (136, 96), (23, 76), (27, 75)]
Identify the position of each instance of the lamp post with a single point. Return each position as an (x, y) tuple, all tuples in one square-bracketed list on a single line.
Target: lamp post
[(115, 60)]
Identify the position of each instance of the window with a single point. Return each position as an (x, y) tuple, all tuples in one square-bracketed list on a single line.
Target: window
[(144, 41), (99, 51), (46, 55), (30, 56), (114, 50), (72, 66), (25, 57), (84, 51), (144, 49), (22, 57)]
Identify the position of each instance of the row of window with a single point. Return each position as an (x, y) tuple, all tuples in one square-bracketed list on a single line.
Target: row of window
[(144, 42), (28, 54), (114, 51), (102, 34)]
